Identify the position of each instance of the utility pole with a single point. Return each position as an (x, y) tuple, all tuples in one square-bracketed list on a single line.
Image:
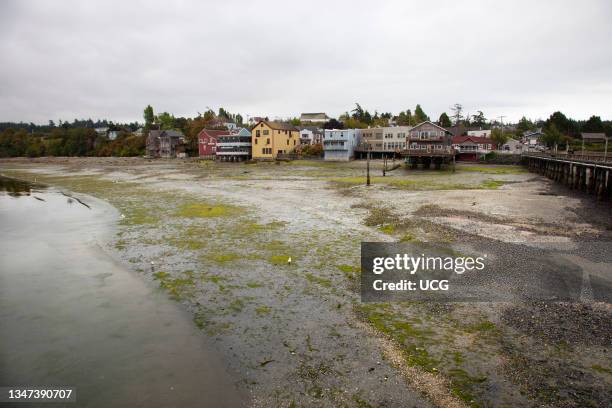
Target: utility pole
[(368, 166), (501, 120), (384, 164)]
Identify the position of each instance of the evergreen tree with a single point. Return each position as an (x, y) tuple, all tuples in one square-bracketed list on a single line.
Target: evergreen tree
[(149, 116), (419, 115), (444, 120)]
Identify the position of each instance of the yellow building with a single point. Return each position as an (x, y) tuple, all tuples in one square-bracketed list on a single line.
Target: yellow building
[(272, 138)]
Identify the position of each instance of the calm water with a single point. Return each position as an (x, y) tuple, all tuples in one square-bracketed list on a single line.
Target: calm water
[(70, 315)]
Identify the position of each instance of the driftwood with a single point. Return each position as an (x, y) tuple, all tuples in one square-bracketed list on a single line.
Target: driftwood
[(74, 198)]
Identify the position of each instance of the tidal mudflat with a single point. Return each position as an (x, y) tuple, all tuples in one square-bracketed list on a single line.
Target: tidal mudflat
[(218, 238)]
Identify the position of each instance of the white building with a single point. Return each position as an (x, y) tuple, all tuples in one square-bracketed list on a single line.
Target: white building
[(319, 117), (532, 138), (394, 138), (480, 133), (311, 135), (339, 144), (112, 134), (512, 146)]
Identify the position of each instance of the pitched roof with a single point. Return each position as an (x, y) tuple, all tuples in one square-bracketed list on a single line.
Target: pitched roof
[(474, 139), (214, 132), (278, 125), (431, 123), (309, 116), (593, 136)]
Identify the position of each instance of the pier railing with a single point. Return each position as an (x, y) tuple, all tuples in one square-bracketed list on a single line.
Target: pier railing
[(592, 157)]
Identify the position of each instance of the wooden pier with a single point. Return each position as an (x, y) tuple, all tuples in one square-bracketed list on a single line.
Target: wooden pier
[(591, 176), (426, 158)]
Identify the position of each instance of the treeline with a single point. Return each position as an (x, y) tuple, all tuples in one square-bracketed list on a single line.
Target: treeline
[(78, 138), (68, 142), (75, 124)]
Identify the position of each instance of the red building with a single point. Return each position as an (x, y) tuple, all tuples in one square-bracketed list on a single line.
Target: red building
[(207, 142), (471, 148)]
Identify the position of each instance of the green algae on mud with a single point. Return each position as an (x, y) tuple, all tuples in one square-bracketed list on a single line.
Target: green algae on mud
[(420, 340), (202, 210), (506, 169), (178, 288), (425, 184)]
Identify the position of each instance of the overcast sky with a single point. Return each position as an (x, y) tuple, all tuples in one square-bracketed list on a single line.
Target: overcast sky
[(109, 59)]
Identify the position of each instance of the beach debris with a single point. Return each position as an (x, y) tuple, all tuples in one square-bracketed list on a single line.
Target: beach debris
[(265, 362), (74, 198), (39, 199)]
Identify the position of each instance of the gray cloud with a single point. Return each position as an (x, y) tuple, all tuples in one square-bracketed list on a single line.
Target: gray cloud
[(108, 59)]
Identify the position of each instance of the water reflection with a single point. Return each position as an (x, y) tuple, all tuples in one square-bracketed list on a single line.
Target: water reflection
[(18, 188)]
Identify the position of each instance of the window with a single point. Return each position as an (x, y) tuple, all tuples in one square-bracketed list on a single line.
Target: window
[(287, 142), (257, 133), (256, 140), (294, 142), (266, 132), (268, 141)]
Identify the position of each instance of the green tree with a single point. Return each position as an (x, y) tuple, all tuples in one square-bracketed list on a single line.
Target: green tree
[(499, 137), (479, 119), (524, 125), (404, 118), (444, 120), (358, 112), (594, 124), (563, 124), (419, 115), (224, 114), (149, 116), (552, 135), (166, 121)]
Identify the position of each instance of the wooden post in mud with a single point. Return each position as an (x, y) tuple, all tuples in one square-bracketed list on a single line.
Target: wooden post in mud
[(368, 167), (384, 164)]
